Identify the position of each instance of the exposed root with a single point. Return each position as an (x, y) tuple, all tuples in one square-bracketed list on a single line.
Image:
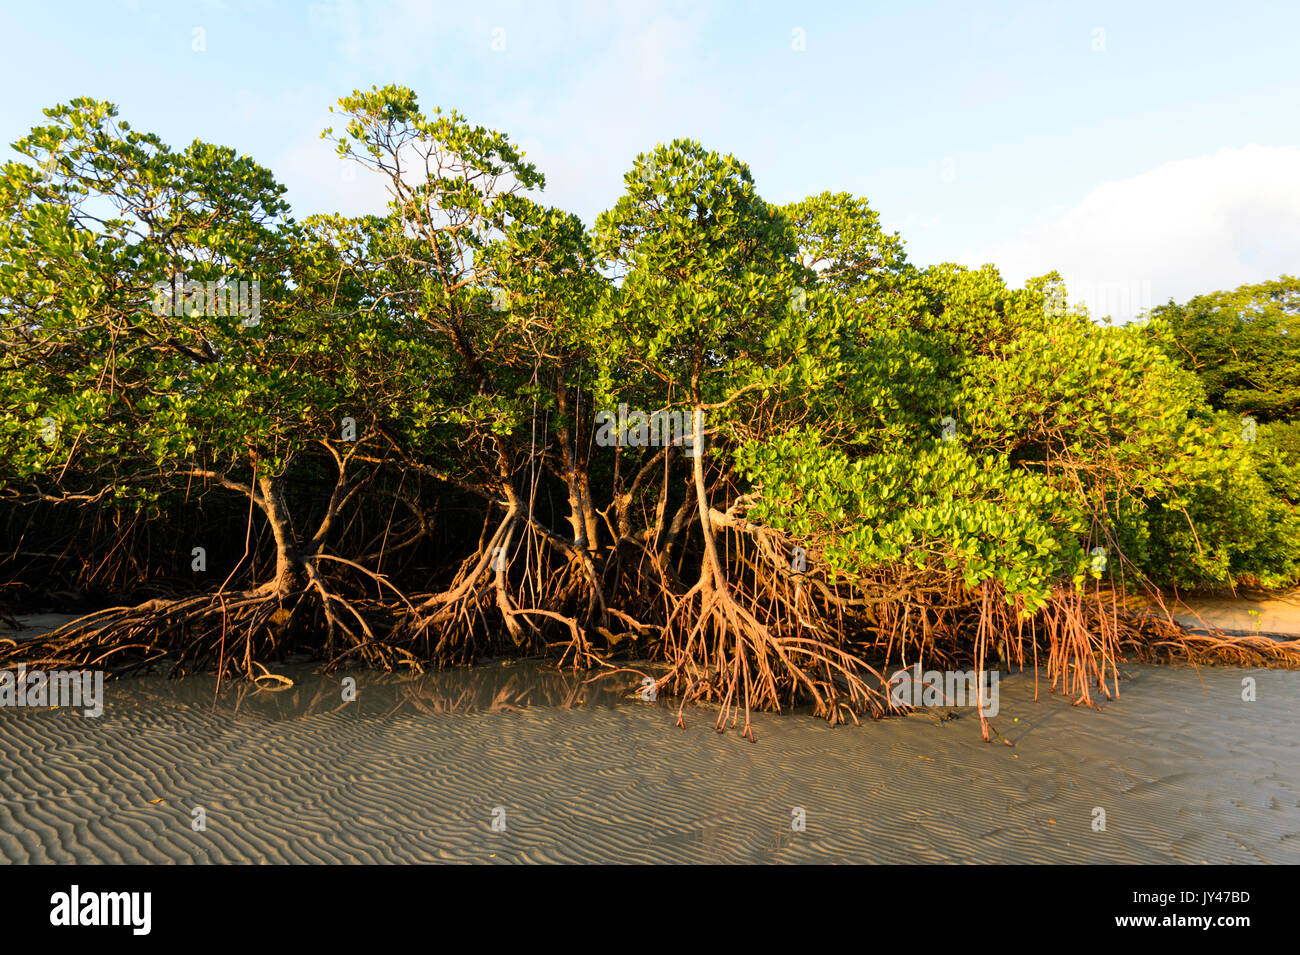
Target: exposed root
[(230, 633)]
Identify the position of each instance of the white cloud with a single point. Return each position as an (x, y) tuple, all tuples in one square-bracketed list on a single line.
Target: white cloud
[(1182, 229)]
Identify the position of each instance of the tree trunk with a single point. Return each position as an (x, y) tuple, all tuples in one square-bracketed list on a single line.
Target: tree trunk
[(582, 517), (290, 573)]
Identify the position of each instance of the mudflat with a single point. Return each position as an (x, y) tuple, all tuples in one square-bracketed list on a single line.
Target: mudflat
[(515, 762)]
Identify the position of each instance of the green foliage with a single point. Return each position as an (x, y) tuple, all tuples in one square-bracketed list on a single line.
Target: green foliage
[(142, 397), (1065, 436), (938, 507), (472, 333), (1244, 345), (702, 304)]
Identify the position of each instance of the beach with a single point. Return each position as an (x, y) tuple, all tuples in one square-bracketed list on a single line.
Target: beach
[(515, 762)]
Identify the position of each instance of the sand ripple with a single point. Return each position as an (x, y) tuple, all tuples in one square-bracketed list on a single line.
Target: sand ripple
[(1183, 774)]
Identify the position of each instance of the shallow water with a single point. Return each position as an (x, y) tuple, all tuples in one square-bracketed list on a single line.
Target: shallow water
[(422, 769)]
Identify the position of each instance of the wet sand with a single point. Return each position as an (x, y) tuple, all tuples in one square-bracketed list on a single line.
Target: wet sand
[(418, 770), (1277, 614)]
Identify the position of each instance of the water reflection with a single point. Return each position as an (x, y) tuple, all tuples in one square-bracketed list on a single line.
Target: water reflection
[(496, 687)]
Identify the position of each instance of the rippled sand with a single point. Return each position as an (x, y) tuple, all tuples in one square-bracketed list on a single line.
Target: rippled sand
[(417, 771)]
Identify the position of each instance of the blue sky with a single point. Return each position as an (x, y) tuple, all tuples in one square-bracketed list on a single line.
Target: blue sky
[(1145, 150)]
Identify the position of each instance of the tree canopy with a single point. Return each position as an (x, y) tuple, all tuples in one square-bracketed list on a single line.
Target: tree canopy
[(443, 432)]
